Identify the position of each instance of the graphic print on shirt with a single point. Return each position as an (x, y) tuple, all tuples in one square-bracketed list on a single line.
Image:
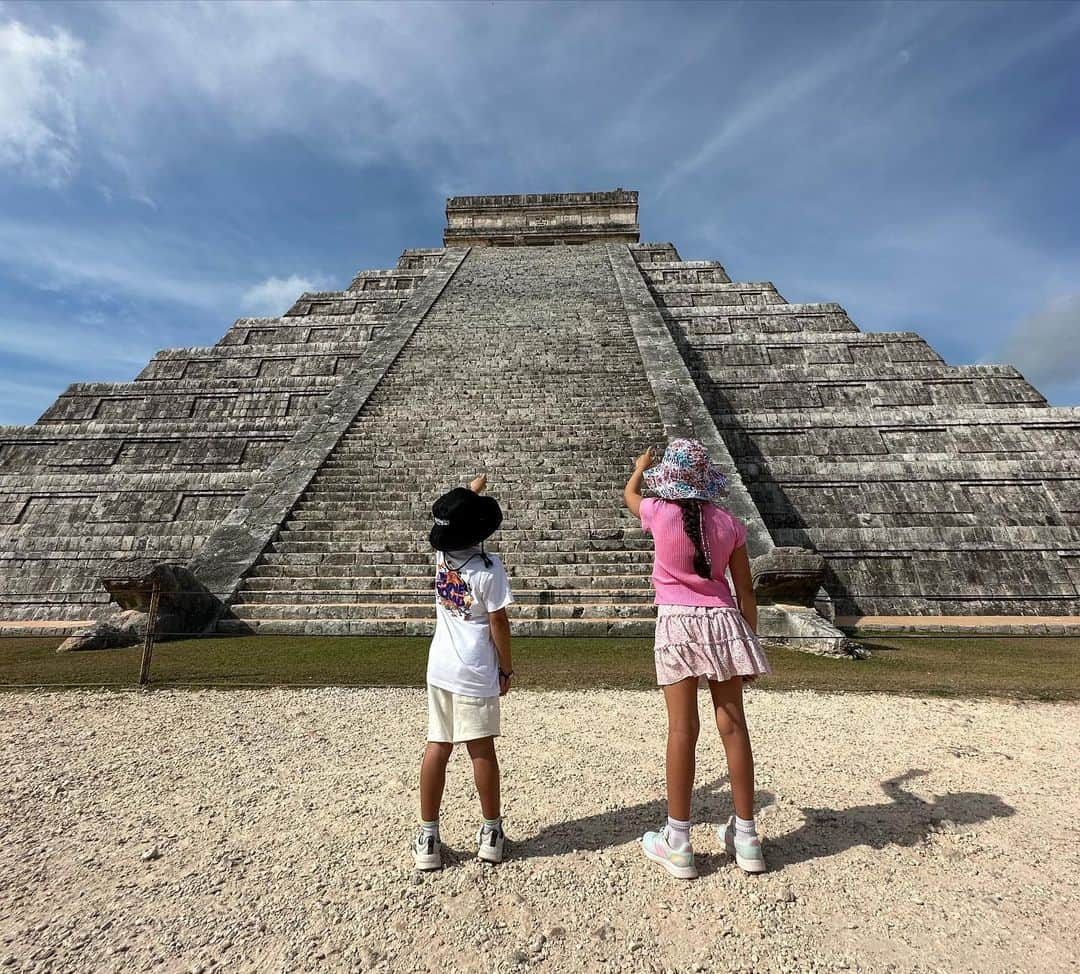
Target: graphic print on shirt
[(454, 593)]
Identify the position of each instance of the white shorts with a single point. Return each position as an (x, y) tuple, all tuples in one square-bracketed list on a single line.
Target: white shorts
[(454, 718)]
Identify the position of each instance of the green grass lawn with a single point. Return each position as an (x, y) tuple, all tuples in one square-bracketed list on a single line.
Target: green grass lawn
[(1042, 668)]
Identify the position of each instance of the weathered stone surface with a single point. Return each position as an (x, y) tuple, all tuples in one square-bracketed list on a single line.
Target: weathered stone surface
[(185, 608), (795, 575), (289, 467), (185, 605), (118, 474), (104, 634), (527, 367), (799, 627), (929, 489), (541, 219), (788, 575), (230, 552)]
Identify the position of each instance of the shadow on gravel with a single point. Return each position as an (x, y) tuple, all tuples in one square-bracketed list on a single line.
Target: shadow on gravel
[(711, 803), (905, 820)]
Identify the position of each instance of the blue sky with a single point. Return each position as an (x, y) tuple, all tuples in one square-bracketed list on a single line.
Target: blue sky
[(166, 168)]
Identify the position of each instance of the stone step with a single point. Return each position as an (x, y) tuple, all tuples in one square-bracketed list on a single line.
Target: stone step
[(330, 626), (314, 507), (418, 542), (542, 551), (894, 537), (426, 610), (540, 355), (359, 594), (358, 552), (71, 536), (393, 573), (944, 414), (339, 575), (296, 333), (734, 294), (690, 323), (960, 468), (354, 484)]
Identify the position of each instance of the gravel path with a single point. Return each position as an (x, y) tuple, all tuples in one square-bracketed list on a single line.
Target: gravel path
[(268, 831)]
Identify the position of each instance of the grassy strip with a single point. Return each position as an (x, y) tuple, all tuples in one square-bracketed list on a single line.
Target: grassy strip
[(1041, 668)]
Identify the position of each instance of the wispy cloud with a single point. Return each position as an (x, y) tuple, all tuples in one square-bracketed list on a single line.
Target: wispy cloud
[(71, 344), (774, 102), (276, 295), (38, 78), (128, 262), (1046, 345)]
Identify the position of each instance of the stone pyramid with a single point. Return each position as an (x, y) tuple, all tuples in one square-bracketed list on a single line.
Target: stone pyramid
[(291, 466)]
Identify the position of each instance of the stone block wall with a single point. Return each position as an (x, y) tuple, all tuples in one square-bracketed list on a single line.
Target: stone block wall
[(291, 464), (114, 474), (930, 489)]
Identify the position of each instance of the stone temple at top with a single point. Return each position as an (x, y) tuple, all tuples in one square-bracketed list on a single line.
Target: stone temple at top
[(291, 467)]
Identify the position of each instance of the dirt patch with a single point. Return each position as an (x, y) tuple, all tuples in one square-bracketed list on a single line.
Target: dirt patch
[(269, 830)]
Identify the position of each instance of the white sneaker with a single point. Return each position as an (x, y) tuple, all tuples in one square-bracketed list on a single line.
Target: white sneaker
[(679, 862), (745, 850), (491, 843), (427, 854)]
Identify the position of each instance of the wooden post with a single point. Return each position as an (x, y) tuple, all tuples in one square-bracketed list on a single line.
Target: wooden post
[(151, 623)]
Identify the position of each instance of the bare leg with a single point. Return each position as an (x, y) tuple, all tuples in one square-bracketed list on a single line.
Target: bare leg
[(731, 722), (683, 728), (485, 766), (433, 778)]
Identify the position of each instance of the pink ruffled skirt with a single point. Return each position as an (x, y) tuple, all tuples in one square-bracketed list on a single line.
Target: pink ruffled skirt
[(705, 640)]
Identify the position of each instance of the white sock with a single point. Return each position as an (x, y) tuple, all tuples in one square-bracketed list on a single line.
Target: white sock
[(745, 826), (430, 830), (678, 833), (493, 824)]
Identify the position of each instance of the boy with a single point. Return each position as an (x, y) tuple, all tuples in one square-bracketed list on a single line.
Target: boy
[(469, 665)]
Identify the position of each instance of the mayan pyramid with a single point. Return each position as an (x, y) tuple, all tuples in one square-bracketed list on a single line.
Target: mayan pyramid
[(291, 466)]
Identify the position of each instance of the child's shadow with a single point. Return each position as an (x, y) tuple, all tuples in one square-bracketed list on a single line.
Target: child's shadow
[(904, 820), (606, 829)]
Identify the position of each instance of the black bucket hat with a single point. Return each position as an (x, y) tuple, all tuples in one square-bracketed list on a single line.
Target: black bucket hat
[(463, 518)]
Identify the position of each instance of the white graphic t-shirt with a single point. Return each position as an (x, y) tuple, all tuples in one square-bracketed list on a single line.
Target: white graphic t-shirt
[(462, 658)]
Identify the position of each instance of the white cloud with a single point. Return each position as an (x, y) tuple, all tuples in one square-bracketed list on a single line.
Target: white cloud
[(121, 261), (38, 79), (72, 345), (276, 295), (1046, 346)]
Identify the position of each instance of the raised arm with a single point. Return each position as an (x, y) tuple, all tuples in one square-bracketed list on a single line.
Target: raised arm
[(744, 585), (632, 491)]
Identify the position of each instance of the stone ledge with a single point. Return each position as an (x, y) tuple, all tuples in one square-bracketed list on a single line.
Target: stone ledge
[(682, 410), (545, 200), (963, 625)]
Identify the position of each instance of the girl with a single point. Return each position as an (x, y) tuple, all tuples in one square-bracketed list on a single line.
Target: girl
[(699, 633)]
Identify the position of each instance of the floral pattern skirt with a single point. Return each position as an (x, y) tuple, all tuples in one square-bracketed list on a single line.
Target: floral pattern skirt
[(705, 640)]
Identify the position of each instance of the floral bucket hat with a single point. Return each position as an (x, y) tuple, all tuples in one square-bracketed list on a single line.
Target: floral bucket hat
[(686, 473)]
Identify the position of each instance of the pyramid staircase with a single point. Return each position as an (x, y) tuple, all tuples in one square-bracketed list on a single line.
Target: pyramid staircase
[(525, 368)]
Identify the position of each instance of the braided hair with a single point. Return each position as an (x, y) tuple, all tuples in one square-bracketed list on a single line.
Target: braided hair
[(694, 524)]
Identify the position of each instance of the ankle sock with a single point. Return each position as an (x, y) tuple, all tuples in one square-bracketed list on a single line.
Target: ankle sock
[(493, 824), (745, 827), (430, 830), (678, 833)]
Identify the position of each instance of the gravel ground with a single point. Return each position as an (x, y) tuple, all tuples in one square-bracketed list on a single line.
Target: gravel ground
[(268, 831)]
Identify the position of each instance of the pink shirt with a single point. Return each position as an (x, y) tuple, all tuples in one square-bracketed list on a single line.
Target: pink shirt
[(673, 574)]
